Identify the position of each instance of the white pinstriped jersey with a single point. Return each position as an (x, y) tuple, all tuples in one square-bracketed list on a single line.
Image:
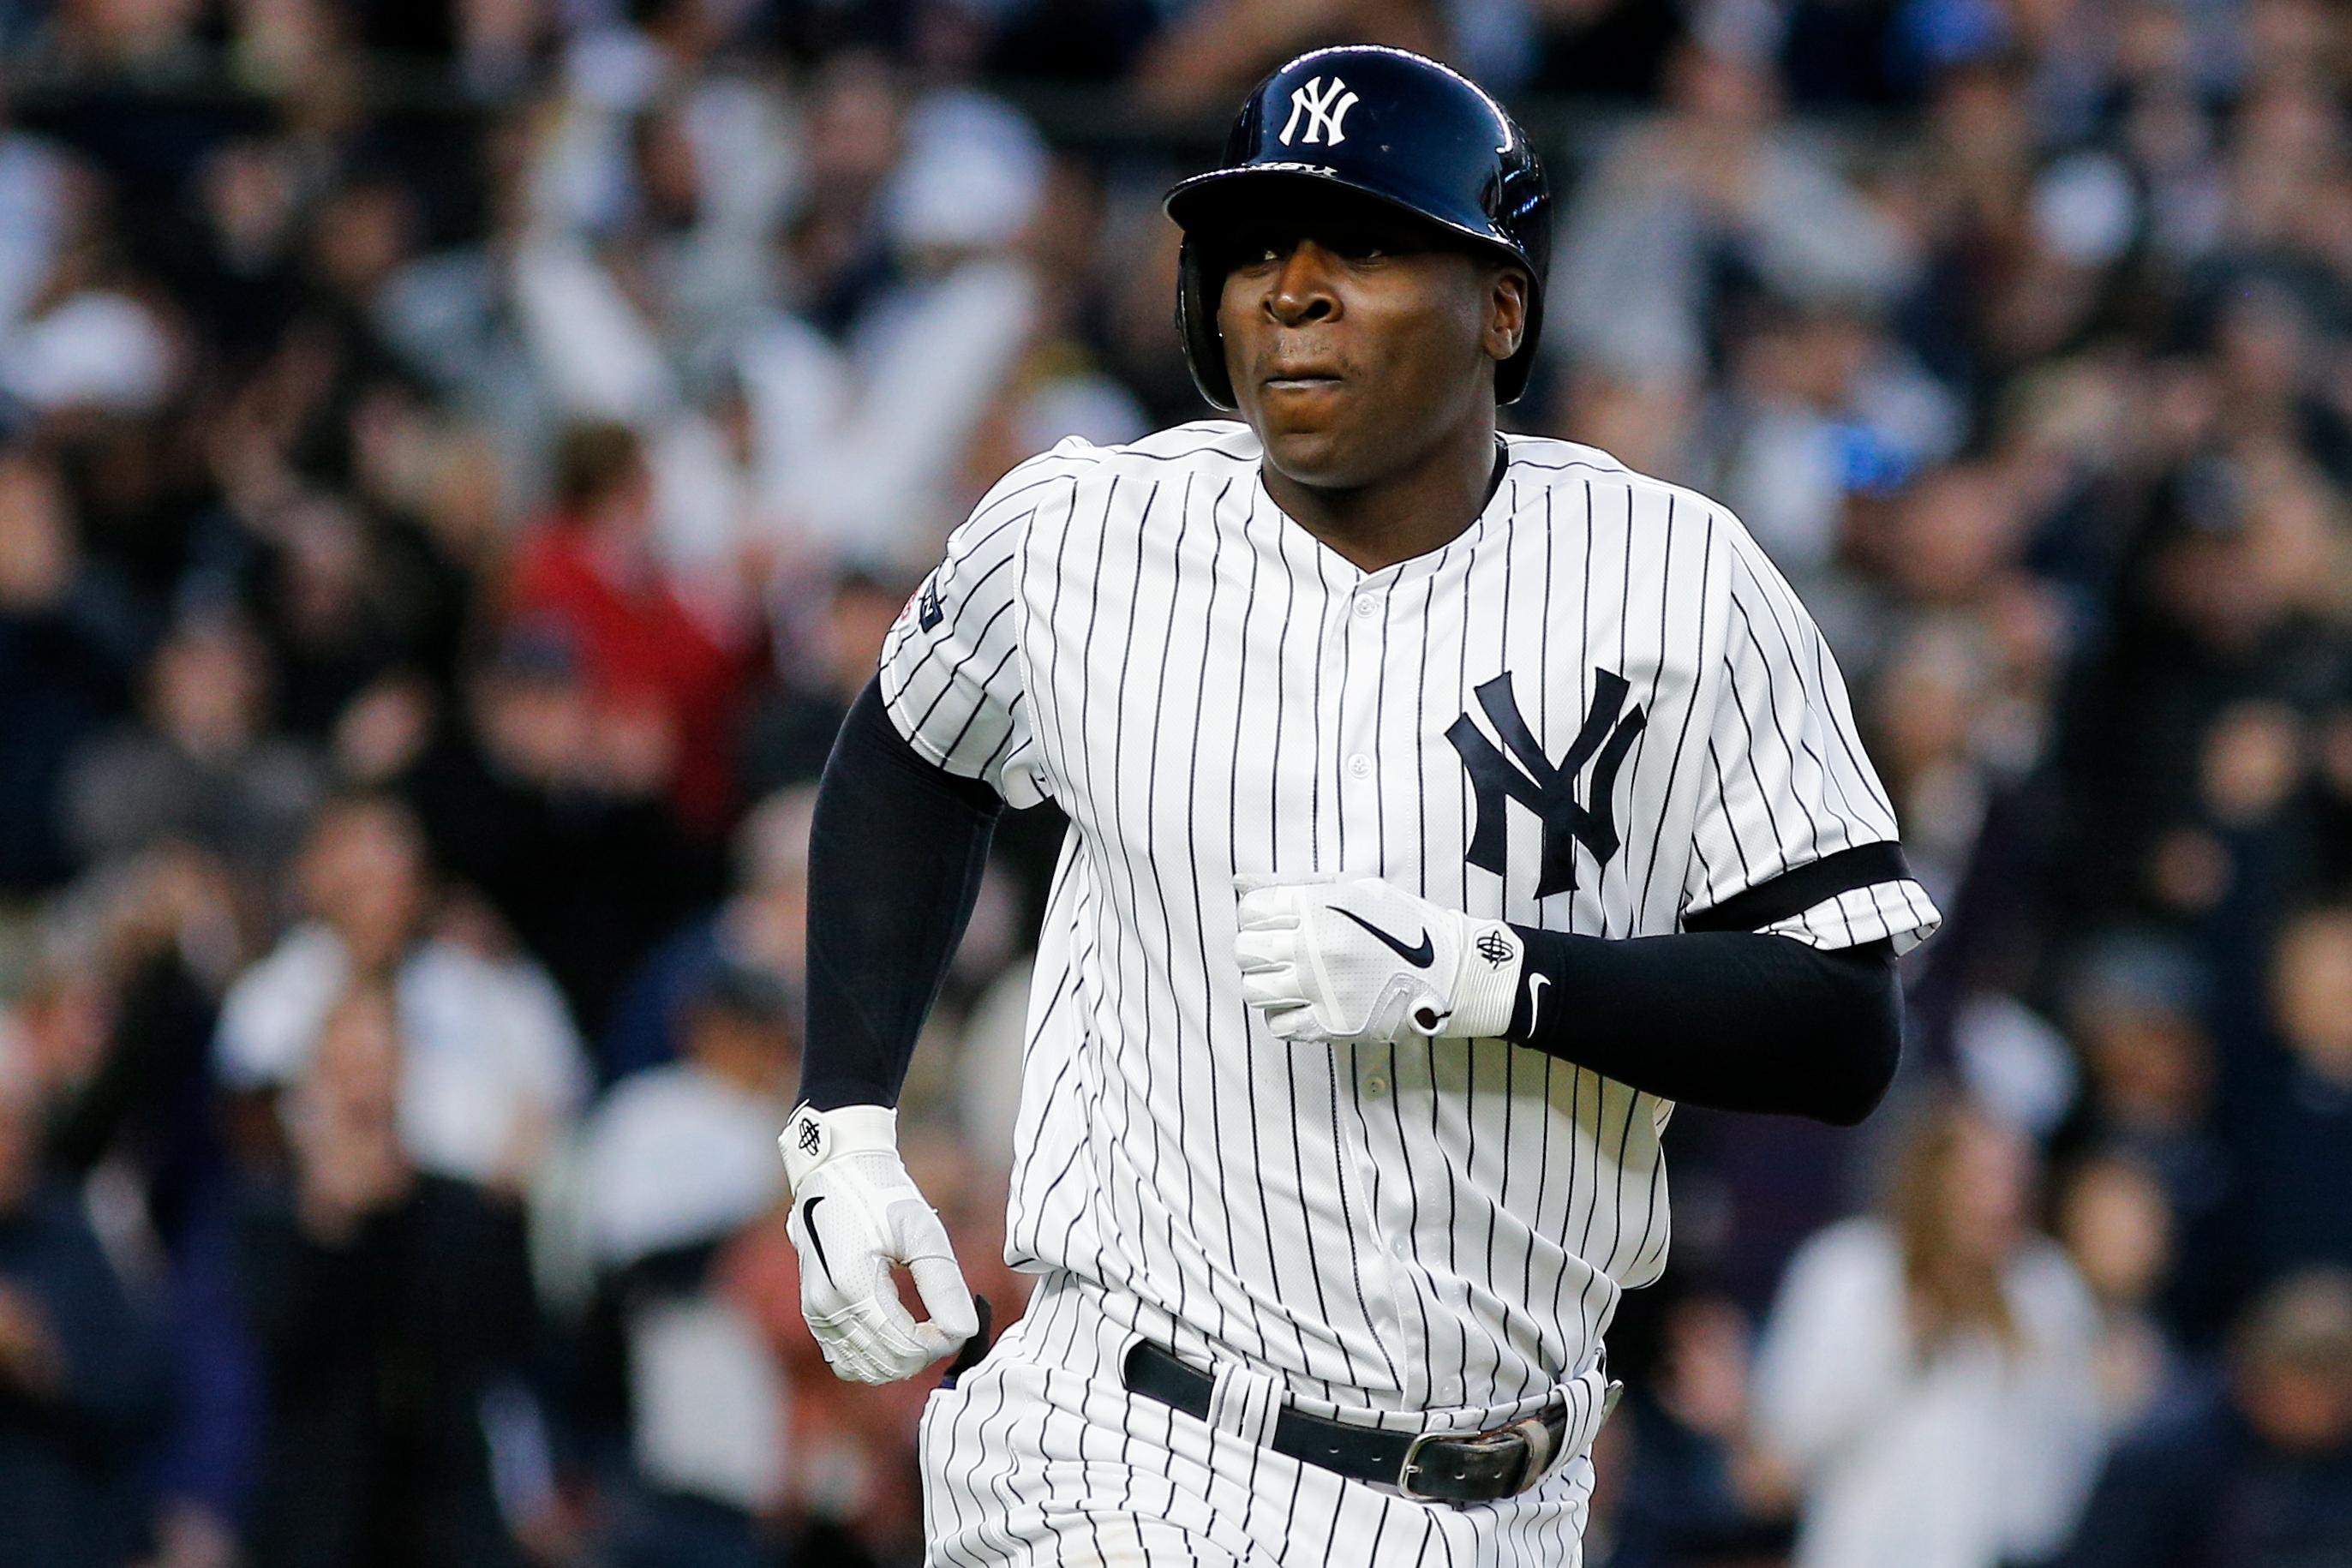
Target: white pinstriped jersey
[(1599, 710)]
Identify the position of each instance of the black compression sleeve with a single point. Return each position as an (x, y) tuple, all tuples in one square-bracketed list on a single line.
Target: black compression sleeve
[(1735, 1020), (895, 858)]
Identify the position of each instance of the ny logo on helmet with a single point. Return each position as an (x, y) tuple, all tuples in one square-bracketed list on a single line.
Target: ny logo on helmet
[(1325, 110), (1529, 777)]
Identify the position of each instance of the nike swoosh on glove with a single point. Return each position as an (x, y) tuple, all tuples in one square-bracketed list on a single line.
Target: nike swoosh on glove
[(1351, 959), (856, 1212)]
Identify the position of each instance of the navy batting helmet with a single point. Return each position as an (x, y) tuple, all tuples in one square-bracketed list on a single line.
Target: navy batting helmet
[(1395, 127)]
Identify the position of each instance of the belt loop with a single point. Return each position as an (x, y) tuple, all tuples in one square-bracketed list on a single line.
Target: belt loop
[(1591, 1400), (1243, 1403)]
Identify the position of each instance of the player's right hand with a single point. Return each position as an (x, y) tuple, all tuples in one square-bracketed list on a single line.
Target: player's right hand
[(1343, 961), (855, 1213)]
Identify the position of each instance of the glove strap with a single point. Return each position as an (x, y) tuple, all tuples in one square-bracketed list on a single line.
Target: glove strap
[(1493, 955), (810, 1137)]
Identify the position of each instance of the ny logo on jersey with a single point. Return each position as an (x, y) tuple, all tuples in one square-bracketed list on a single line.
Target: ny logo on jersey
[(1549, 792), (928, 613), (1324, 109)]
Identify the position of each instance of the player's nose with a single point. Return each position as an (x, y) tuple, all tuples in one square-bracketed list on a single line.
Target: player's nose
[(1300, 289)]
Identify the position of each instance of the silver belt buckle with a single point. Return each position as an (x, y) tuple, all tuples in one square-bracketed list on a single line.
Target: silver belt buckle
[(1412, 1466), (1533, 1432), (1535, 1441)]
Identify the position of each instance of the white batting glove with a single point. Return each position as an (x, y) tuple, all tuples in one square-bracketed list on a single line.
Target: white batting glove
[(1361, 960), (856, 1212)]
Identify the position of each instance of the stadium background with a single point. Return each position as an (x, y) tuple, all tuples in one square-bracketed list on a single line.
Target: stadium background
[(457, 459)]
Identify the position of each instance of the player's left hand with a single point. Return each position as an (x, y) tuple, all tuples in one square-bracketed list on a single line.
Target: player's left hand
[(1355, 960)]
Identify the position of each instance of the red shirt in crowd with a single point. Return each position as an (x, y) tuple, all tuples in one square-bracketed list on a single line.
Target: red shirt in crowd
[(640, 649)]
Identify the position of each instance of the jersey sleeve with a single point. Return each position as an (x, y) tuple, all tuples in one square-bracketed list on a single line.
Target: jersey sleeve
[(1794, 834), (952, 676)]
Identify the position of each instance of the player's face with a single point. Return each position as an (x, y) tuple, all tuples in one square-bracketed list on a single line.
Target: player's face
[(1358, 339)]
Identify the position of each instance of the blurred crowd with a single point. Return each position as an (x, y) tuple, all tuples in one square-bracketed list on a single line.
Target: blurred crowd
[(458, 459)]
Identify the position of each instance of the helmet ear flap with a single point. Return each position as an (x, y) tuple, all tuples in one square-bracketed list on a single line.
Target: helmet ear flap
[(1196, 328)]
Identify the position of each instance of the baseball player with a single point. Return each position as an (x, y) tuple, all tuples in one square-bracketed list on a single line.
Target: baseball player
[(1443, 806)]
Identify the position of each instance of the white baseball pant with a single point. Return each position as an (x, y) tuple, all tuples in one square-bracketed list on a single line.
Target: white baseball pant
[(1040, 1457)]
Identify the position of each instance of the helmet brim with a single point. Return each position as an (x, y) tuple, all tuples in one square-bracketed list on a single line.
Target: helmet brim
[(1201, 203)]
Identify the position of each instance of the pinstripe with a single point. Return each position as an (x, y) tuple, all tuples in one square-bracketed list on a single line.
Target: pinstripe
[(1779, 728), (938, 1458), (1111, 938), (1545, 1171), (1462, 682), (1421, 870), (1794, 664), (1501, 1197), (1723, 797), (1085, 895), (1160, 891), (1331, 1072), (1273, 824), (999, 1483), (977, 1453), (1199, 929), (1050, 687), (1698, 655), (1123, 935), (1080, 1428), (1239, 1008), (979, 542), (979, 704), (1624, 622), (1027, 1155)]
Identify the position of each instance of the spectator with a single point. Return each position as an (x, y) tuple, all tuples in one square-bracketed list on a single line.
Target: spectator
[(833, 648), (865, 447), (81, 1371), (1927, 1374), (67, 650), (1718, 177), (86, 343), (1219, 47), (679, 1160), (34, 204), (203, 765), (664, 683), (529, 798), (760, 928), (2118, 1232), (326, 601), (491, 1070), (383, 1298), (2295, 1149), (2250, 1471), (1699, 1488), (2135, 1004)]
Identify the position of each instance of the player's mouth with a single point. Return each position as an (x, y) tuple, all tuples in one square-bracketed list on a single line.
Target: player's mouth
[(1300, 381)]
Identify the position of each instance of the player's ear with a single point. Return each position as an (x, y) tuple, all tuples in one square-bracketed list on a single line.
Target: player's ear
[(1506, 311)]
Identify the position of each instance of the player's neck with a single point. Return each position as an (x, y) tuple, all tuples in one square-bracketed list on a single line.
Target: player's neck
[(1411, 512)]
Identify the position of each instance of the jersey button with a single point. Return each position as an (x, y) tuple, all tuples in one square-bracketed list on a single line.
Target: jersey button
[(1364, 604), (1376, 1086), (1360, 766)]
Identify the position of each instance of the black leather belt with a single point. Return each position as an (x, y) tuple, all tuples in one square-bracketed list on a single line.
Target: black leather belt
[(1434, 1466)]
